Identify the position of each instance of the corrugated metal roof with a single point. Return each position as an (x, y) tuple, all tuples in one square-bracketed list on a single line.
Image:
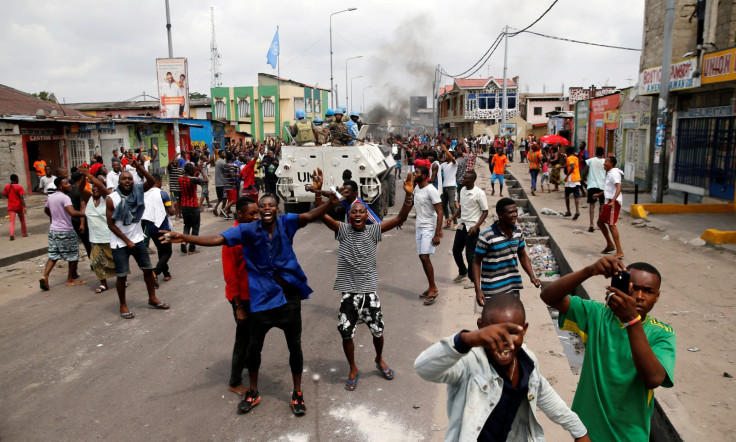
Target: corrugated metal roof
[(15, 102)]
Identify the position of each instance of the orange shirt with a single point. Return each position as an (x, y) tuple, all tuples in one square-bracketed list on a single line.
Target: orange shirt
[(40, 167), (499, 163), (573, 169)]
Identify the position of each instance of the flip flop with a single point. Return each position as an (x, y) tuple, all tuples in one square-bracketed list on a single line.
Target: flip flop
[(431, 299), (608, 250), (591, 229), (128, 315), (73, 283), (161, 305), (101, 288), (388, 374), (352, 385), (44, 283), (422, 296)]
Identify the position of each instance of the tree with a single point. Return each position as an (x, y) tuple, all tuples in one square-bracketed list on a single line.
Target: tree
[(196, 96), (46, 96)]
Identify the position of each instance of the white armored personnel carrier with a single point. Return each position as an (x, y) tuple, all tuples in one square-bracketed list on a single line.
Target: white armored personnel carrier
[(371, 166)]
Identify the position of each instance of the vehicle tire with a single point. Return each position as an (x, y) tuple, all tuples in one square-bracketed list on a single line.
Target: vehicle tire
[(391, 184)]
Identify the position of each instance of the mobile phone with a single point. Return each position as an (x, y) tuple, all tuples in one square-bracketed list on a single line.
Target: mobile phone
[(621, 281)]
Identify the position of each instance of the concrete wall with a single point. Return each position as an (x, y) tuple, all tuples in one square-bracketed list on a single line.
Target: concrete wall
[(546, 105), (12, 161), (684, 34)]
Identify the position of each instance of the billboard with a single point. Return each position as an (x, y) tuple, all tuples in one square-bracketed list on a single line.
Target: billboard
[(173, 87), (681, 77), (719, 66)]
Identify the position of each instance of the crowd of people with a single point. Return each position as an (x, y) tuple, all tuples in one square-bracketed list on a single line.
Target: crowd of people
[(115, 213)]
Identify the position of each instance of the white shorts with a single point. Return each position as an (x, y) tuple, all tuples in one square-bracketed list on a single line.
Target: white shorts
[(424, 242)]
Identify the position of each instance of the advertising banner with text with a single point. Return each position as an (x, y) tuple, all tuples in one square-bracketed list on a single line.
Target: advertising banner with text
[(719, 66), (681, 77), (173, 87)]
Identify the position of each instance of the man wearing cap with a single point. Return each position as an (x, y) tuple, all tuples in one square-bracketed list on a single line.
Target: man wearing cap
[(353, 127), (329, 117), (339, 133), (303, 130)]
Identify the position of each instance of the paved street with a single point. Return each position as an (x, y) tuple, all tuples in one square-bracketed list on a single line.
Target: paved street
[(73, 369)]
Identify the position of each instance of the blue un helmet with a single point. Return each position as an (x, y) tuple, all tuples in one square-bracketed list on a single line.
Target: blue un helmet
[(354, 114), (329, 113), (318, 121), (343, 110), (300, 114), (340, 111)]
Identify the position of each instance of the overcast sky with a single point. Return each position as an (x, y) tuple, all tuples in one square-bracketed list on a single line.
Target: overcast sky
[(90, 50)]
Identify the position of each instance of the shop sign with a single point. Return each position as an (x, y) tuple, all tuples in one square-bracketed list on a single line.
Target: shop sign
[(681, 77), (707, 112), (610, 117), (719, 66), (96, 126)]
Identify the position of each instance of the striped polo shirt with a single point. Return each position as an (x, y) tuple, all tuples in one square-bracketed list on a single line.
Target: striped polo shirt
[(500, 266), (357, 270)]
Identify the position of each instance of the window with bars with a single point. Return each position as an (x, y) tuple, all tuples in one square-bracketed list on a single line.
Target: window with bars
[(269, 108), (298, 103), (537, 110), (79, 152), (220, 110), (318, 106), (243, 108), (309, 105)]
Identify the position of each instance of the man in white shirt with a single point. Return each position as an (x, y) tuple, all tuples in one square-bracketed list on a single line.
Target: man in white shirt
[(596, 182), (427, 203), (449, 184), (125, 207), (472, 212), (609, 215), (114, 175)]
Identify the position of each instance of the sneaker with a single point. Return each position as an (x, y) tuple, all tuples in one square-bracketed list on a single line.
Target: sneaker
[(454, 227), (469, 286), (297, 403), (459, 278), (250, 400), (567, 214)]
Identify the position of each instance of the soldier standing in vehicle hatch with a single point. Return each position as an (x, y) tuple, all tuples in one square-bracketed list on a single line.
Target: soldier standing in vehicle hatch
[(303, 130), (339, 133)]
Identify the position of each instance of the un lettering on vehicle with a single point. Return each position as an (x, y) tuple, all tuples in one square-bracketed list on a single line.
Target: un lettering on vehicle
[(304, 177)]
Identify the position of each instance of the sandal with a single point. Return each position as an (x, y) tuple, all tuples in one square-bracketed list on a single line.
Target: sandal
[(167, 277), (608, 250), (101, 288), (431, 299), (73, 283), (161, 305), (388, 374), (424, 295), (352, 385), (127, 315), (44, 283)]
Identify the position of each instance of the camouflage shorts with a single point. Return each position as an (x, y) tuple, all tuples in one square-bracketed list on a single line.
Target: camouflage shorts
[(360, 306)]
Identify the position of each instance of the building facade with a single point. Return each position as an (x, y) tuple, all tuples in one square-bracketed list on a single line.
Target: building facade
[(699, 146), (469, 107), (260, 112)]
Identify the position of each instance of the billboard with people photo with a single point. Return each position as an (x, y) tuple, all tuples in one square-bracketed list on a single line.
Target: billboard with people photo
[(173, 87)]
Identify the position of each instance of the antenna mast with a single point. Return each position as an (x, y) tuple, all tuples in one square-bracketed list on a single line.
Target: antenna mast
[(215, 74)]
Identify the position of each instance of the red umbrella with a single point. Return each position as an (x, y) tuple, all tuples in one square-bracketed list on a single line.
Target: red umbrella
[(554, 139)]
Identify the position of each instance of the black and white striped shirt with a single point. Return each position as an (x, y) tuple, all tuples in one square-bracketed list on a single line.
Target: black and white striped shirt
[(357, 270)]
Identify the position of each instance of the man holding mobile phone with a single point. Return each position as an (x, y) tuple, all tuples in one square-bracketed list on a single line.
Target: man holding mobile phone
[(627, 352)]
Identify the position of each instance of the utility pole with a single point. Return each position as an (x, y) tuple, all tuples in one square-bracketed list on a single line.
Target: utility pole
[(504, 106), (177, 141), (660, 170)]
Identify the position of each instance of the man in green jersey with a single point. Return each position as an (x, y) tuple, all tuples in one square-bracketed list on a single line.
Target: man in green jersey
[(627, 352)]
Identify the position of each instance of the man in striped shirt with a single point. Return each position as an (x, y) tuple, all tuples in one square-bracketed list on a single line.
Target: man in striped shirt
[(497, 256)]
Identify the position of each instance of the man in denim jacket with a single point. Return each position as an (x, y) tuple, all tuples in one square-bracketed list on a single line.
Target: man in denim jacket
[(493, 382)]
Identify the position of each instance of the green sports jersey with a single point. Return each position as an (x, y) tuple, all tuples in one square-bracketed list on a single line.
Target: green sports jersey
[(611, 398)]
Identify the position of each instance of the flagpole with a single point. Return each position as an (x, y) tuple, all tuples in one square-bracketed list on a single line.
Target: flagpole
[(278, 84)]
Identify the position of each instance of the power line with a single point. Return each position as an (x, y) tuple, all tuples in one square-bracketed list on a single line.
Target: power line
[(577, 41), (537, 20), (484, 58)]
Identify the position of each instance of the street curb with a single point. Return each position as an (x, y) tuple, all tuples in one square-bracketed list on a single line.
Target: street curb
[(28, 254), (662, 429)]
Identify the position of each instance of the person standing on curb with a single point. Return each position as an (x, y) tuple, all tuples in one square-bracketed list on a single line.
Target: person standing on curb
[(16, 205), (472, 212), (498, 169), (628, 353), (535, 165), (596, 182), (572, 182), (428, 207), (609, 214), (63, 241), (497, 256)]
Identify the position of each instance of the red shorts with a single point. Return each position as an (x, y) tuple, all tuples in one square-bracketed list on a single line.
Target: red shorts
[(232, 195), (609, 215)]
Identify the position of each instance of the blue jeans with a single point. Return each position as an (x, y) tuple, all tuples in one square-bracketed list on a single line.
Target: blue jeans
[(534, 173)]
